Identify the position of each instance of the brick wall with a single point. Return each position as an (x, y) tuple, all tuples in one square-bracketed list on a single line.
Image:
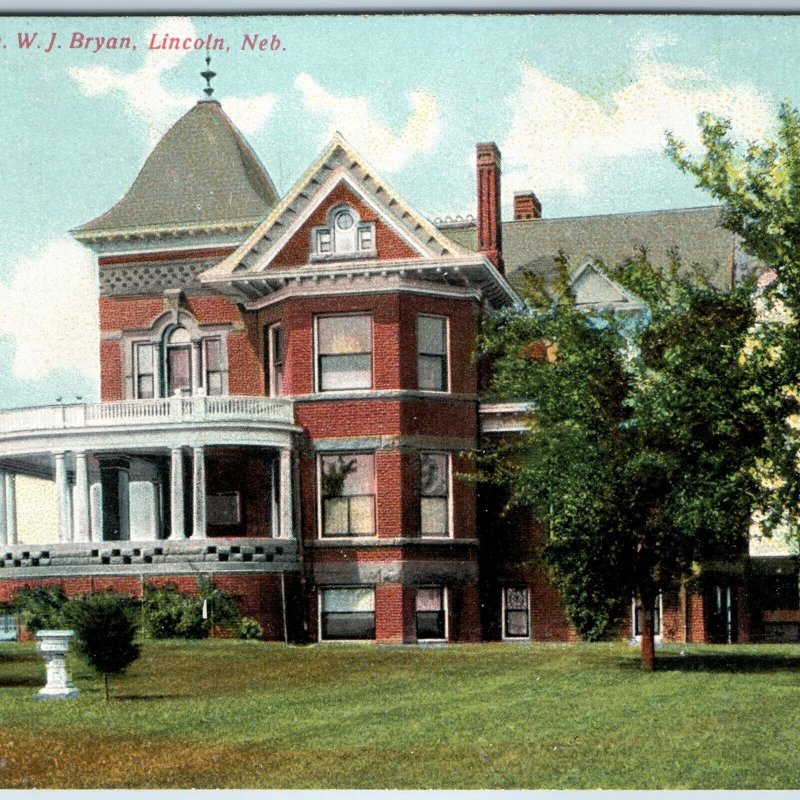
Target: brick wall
[(296, 252)]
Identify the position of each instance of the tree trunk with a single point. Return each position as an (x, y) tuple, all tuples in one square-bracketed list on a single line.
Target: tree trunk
[(648, 637), (105, 680)]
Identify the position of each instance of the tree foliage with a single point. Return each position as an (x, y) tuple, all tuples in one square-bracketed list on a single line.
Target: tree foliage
[(39, 607), (758, 185), (640, 446), (105, 628)]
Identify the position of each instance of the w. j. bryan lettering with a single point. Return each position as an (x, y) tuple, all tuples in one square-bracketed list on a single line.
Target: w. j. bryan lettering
[(94, 44)]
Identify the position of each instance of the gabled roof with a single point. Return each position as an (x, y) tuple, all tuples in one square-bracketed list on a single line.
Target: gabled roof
[(338, 162), (532, 245), (201, 174), (593, 288)]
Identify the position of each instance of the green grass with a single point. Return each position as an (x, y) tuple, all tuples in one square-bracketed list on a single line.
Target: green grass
[(252, 715)]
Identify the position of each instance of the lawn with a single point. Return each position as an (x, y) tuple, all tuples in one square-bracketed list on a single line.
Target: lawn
[(219, 714)]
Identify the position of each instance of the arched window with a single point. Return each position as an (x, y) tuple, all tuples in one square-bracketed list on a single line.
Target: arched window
[(345, 236), (178, 361)]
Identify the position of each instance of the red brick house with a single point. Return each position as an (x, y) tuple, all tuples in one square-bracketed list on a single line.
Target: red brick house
[(289, 388)]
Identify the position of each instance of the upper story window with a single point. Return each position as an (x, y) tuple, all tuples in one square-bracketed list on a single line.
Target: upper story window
[(179, 361), (345, 236), (276, 356), (180, 358), (344, 352), (432, 366)]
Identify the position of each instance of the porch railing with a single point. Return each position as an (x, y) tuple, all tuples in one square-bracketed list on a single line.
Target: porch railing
[(147, 412)]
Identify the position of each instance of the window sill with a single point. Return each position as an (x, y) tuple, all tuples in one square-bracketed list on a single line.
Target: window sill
[(359, 255)]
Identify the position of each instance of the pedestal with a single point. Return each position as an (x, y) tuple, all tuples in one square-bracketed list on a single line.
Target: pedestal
[(52, 646)]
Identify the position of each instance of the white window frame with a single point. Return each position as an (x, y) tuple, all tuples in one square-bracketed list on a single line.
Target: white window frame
[(204, 364), (504, 635), (450, 526), (318, 372), (448, 371), (273, 330), (321, 500), (359, 251), (322, 589), (445, 610), (637, 637), (154, 352)]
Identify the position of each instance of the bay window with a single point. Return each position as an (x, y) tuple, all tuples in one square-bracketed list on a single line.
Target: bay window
[(434, 490), (347, 482), (432, 367), (344, 352)]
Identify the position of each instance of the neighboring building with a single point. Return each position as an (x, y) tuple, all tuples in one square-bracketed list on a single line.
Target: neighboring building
[(289, 391)]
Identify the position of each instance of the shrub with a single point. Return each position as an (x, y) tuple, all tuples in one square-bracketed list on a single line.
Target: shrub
[(105, 628), (250, 629), (40, 607), (170, 614)]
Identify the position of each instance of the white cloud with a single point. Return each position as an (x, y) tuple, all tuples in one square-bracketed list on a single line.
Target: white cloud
[(389, 152), (50, 311), (146, 97), (557, 134)]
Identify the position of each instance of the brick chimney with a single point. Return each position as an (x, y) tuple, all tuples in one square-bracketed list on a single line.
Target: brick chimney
[(490, 234), (527, 206)]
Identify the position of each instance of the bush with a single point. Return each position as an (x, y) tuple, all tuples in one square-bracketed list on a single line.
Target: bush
[(105, 628), (250, 629), (169, 614), (40, 607)]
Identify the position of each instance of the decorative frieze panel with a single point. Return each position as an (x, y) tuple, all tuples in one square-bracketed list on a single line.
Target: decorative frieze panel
[(151, 278)]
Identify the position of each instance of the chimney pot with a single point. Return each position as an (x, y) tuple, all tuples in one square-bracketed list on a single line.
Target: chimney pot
[(527, 206), (490, 233)]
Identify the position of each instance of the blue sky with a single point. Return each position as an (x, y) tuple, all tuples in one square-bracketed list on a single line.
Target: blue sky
[(578, 105)]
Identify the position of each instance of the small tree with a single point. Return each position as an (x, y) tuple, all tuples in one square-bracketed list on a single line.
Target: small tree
[(105, 628)]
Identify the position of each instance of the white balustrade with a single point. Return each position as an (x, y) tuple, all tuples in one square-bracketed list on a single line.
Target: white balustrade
[(147, 412)]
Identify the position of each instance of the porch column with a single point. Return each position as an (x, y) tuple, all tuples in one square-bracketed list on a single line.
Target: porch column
[(198, 493), (3, 515), (176, 496), (11, 508), (62, 492), (287, 514), (83, 524)]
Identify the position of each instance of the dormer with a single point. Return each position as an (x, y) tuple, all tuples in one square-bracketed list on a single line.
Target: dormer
[(344, 237)]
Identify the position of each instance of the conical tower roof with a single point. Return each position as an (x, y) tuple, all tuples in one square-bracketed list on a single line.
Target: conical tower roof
[(201, 174)]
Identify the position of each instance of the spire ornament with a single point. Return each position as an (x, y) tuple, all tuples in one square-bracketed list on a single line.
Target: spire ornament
[(208, 74)]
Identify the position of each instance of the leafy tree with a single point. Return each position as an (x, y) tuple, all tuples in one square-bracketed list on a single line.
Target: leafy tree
[(640, 447), (39, 607), (758, 185), (105, 628)]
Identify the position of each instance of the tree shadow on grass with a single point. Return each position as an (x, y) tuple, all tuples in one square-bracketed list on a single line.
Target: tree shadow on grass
[(723, 662), (10, 681)]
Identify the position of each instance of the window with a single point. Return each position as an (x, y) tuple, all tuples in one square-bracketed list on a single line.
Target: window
[(348, 495), (344, 348), (432, 353), (347, 613), (145, 387), (276, 350), (223, 508), (434, 483), (637, 617), (516, 612), (212, 361), (430, 614), (179, 362), (344, 236)]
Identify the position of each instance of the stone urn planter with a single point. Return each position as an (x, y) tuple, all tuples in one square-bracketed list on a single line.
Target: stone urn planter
[(52, 646)]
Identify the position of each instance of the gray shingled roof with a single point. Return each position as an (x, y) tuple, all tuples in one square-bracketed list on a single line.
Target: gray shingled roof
[(202, 171), (532, 245)]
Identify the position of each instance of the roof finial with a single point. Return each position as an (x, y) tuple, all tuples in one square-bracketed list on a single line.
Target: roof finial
[(208, 74)]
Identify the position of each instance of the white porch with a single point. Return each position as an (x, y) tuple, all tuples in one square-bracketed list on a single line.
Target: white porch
[(137, 470)]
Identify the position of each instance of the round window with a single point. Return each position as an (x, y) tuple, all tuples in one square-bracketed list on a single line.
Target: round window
[(344, 220)]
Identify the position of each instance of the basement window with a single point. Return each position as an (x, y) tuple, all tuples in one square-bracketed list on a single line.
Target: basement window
[(347, 613)]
